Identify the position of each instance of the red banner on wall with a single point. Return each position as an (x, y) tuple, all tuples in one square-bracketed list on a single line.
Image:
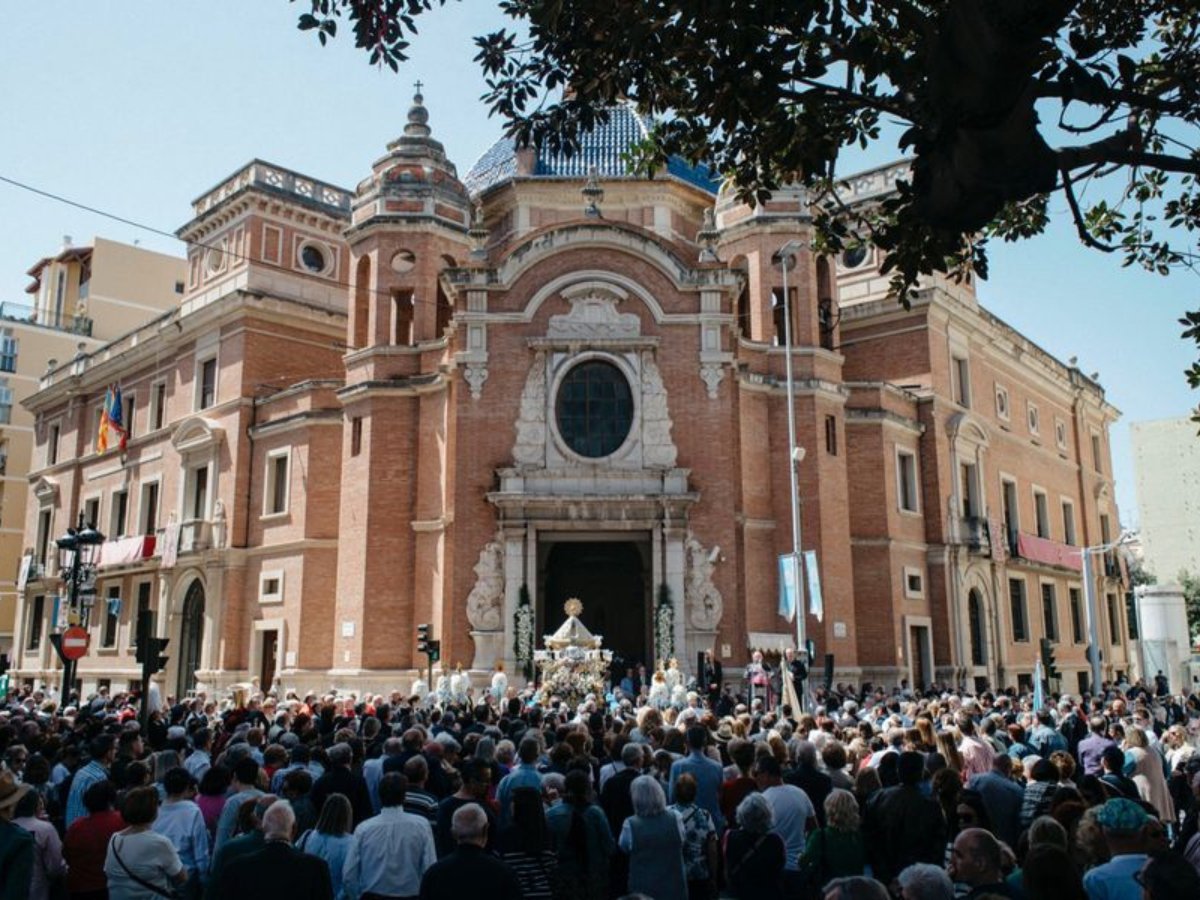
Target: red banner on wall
[(1052, 553)]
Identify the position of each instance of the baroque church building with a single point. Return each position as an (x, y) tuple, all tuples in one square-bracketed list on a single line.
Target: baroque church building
[(436, 399)]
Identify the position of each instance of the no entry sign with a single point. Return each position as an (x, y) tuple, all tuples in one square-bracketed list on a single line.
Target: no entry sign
[(75, 642)]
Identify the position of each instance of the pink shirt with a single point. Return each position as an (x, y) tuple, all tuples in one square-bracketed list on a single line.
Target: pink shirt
[(977, 757)]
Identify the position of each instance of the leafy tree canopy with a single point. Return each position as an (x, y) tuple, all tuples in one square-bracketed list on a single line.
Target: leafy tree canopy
[(1000, 103)]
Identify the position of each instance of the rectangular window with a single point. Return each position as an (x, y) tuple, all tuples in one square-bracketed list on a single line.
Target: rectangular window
[(43, 538), (37, 616), (1016, 602), (8, 352), (1114, 618), (831, 435), (1068, 513), (120, 514), (270, 587), (128, 405), (158, 406), (198, 496), (1131, 620), (1012, 517), (275, 497), (1050, 612), (112, 616), (914, 584), (1105, 529), (143, 607), (6, 402), (1073, 595), (777, 317), (52, 444), (1096, 452), (1042, 514), (961, 374), (356, 436), (91, 511), (970, 490), (906, 475), (206, 392), (149, 508)]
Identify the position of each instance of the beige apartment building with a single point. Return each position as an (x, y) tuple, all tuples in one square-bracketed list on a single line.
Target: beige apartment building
[(432, 397), (80, 298)]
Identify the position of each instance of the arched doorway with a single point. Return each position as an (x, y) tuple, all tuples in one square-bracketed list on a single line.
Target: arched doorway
[(610, 579), (191, 638)]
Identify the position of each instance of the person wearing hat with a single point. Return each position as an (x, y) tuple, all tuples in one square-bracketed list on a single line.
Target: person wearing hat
[(1123, 823), (16, 844)]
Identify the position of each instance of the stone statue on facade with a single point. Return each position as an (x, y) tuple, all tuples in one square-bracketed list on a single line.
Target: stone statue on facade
[(485, 603), (704, 601), (530, 447)]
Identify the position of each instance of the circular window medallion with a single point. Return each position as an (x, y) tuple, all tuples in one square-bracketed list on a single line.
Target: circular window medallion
[(214, 260), (594, 409), (854, 257), (312, 258), (403, 261)]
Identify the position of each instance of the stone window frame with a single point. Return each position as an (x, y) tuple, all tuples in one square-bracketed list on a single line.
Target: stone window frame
[(1003, 403), (908, 573), (915, 510), (270, 481), (270, 597)]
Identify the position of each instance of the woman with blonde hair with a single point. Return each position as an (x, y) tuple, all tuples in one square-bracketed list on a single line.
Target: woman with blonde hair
[(947, 745), (835, 851), (1147, 773)]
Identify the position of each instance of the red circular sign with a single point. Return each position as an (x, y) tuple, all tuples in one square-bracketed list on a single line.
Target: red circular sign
[(75, 642)]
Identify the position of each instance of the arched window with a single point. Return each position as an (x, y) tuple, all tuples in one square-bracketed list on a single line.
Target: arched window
[(362, 304)]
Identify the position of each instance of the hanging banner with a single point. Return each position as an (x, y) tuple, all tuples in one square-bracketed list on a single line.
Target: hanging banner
[(1039, 692), (816, 603), (788, 585)]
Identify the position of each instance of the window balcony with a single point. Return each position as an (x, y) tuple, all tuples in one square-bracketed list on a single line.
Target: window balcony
[(195, 536), (1034, 549), (973, 532)]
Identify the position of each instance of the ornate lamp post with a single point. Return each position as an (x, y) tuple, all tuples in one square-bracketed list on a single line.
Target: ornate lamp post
[(78, 554)]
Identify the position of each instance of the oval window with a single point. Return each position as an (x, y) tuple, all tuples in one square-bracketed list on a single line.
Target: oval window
[(594, 409), (312, 258), (854, 257)]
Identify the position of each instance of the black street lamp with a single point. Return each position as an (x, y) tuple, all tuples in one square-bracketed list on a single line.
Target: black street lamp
[(78, 554)]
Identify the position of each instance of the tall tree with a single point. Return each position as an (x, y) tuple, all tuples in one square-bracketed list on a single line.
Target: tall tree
[(770, 91)]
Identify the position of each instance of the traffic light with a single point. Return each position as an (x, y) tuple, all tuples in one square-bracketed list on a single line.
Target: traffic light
[(423, 637), (149, 647), (434, 650), (155, 661), (1052, 673)]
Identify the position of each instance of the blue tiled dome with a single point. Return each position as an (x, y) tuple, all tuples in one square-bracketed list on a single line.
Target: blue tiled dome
[(604, 147)]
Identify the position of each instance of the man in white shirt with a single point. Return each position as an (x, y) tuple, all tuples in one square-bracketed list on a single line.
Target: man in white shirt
[(391, 851), (199, 761), (794, 813)]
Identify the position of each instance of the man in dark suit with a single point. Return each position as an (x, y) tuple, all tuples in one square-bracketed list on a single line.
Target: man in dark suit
[(340, 779), (278, 869), (470, 870), (712, 676)]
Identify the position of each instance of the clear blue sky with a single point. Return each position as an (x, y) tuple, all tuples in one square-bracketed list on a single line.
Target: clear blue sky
[(139, 107)]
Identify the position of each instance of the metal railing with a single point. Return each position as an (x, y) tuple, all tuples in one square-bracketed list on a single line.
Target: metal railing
[(22, 312)]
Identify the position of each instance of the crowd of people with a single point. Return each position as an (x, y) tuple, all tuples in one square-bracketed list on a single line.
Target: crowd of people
[(921, 795)]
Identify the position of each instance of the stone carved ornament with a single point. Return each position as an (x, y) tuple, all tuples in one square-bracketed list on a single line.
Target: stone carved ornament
[(703, 600), (657, 447), (485, 603), (594, 315), (530, 449)]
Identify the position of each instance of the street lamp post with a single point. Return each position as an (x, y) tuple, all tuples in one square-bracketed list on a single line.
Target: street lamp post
[(1089, 602), (786, 255), (79, 551)]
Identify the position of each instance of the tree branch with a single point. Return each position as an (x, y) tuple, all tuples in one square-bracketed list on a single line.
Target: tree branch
[(1121, 148), (1080, 226)]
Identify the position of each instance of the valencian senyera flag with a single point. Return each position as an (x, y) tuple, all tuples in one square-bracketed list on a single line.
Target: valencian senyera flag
[(112, 432)]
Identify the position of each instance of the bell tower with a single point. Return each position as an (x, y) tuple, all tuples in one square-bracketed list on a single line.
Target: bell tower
[(409, 222)]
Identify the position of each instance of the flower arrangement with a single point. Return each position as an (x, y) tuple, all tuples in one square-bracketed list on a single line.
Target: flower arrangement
[(664, 624), (572, 677), (523, 633)]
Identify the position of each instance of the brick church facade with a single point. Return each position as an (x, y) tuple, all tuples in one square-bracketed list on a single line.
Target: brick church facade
[(426, 399)]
